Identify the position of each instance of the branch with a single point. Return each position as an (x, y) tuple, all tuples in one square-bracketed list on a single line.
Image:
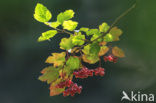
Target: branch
[(114, 23)]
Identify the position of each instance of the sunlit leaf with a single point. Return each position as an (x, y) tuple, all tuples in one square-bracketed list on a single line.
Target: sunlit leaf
[(55, 24), (78, 39), (66, 43), (108, 38), (42, 14), (57, 59), (116, 51), (70, 25), (47, 35), (73, 63), (92, 31), (115, 32), (84, 29), (50, 74), (103, 50), (68, 14), (104, 27)]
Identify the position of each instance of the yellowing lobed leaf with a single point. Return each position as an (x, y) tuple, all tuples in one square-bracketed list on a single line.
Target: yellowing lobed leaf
[(103, 50), (66, 43), (118, 52), (90, 59), (50, 74), (68, 14), (42, 14), (47, 35), (104, 27), (115, 32), (54, 90), (70, 25), (57, 59)]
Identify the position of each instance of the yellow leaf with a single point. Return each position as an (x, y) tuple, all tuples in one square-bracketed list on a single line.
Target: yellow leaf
[(57, 59), (103, 50), (118, 52), (90, 60), (115, 32)]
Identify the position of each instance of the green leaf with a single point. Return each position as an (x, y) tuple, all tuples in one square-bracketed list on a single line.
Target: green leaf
[(73, 63), (55, 24), (70, 25), (94, 49), (68, 14), (116, 51), (57, 59), (66, 43), (108, 38), (104, 27), (78, 39), (47, 35), (96, 36), (92, 31), (91, 52), (42, 14), (50, 74), (84, 29), (115, 32)]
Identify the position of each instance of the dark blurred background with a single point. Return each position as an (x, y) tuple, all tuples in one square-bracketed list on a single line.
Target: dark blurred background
[(22, 57)]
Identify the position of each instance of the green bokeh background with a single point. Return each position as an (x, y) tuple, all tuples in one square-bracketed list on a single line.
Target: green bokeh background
[(22, 57)]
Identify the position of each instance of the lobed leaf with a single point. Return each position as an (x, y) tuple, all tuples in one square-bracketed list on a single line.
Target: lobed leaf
[(42, 14), (84, 29), (50, 74), (78, 39), (104, 27), (115, 32), (108, 38), (64, 16), (55, 24), (73, 63), (47, 35), (70, 25), (116, 51), (92, 31), (57, 59), (103, 50), (66, 43)]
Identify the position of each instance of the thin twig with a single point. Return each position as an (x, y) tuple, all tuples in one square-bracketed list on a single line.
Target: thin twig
[(114, 23)]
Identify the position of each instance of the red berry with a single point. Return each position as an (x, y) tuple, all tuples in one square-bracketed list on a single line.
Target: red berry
[(110, 58), (83, 73), (99, 71)]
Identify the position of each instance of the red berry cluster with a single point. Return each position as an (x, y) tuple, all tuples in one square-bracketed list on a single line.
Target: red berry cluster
[(63, 84), (110, 58), (85, 72), (99, 71), (72, 88)]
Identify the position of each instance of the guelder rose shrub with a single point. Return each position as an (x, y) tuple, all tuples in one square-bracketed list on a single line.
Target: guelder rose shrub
[(82, 45)]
